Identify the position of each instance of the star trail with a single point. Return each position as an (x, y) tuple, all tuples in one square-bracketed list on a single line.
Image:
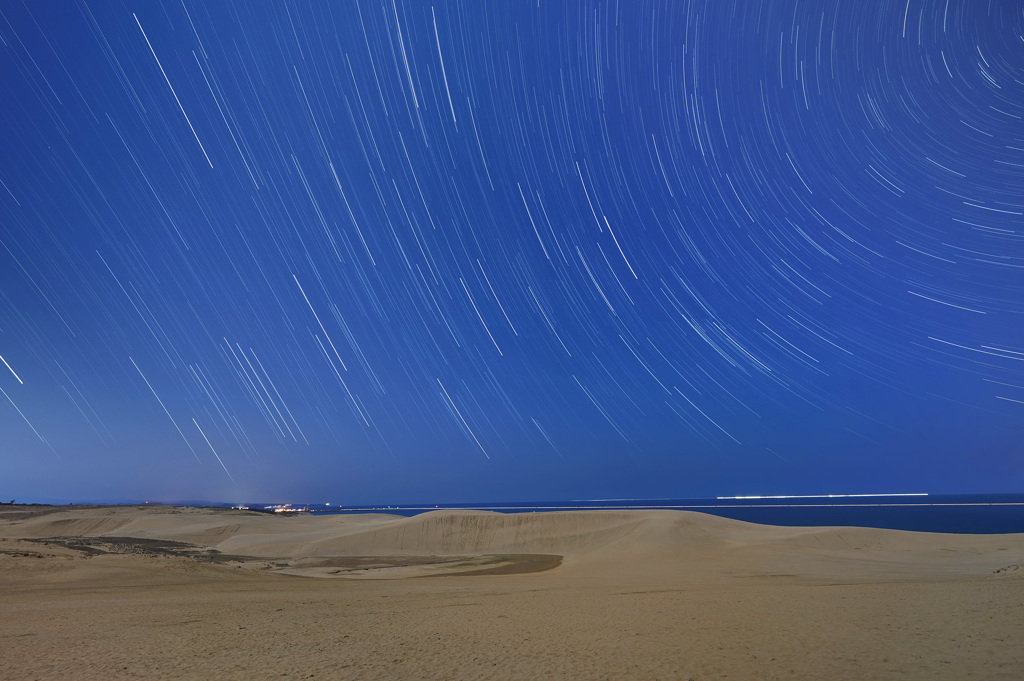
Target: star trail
[(511, 250)]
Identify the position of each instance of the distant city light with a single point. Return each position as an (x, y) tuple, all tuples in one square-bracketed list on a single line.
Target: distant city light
[(829, 496)]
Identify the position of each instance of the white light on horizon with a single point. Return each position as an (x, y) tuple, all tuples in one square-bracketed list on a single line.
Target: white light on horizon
[(828, 496)]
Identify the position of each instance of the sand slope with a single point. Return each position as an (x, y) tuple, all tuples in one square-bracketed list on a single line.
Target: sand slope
[(135, 593), (706, 544)]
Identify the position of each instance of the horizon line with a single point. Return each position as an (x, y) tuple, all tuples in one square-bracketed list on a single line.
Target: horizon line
[(827, 496)]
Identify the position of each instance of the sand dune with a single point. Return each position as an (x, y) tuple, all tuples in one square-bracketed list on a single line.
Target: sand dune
[(582, 537), (162, 592)]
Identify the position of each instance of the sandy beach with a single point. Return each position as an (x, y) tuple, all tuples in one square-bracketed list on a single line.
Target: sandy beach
[(186, 593)]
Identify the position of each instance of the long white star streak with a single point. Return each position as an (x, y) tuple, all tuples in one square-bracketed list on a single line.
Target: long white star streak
[(250, 386), (41, 438), (12, 370), (266, 392), (706, 416), (500, 306), (213, 450), (341, 380), (608, 224), (150, 386), (278, 393), (216, 405), (326, 335), (153, 52), (479, 316), (466, 425), (443, 74), (542, 432)]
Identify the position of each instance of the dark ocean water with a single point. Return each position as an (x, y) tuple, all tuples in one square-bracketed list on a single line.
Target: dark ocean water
[(974, 514)]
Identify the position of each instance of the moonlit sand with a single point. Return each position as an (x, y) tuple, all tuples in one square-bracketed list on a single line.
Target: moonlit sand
[(187, 593)]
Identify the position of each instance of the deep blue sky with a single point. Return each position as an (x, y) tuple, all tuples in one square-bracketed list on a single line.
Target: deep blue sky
[(403, 251)]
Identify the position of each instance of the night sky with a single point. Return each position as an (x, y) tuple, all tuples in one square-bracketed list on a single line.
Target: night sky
[(482, 251)]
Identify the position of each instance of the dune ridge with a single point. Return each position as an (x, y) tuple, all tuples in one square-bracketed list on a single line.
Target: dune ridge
[(188, 593), (637, 538)]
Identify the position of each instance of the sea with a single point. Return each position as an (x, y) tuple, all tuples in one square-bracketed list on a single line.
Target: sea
[(962, 513)]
